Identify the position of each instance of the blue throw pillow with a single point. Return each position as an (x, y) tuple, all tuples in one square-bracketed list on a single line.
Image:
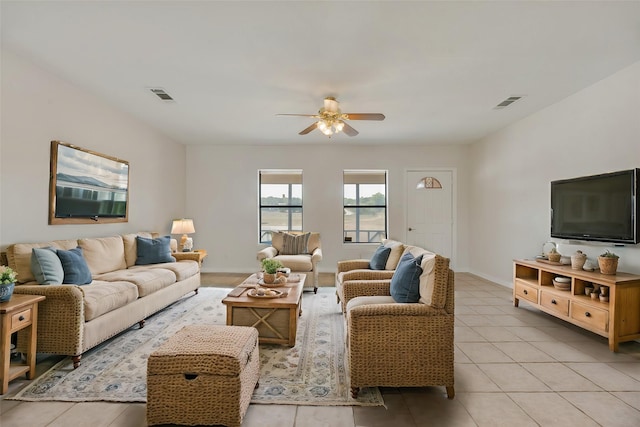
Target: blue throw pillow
[(405, 283), (379, 258), (46, 266), (153, 251), (76, 270)]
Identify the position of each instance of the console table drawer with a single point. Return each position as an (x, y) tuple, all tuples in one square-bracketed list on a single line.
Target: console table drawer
[(526, 292), (593, 317), (555, 303)]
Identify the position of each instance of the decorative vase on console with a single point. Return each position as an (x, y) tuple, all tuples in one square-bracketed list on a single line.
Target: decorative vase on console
[(577, 260)]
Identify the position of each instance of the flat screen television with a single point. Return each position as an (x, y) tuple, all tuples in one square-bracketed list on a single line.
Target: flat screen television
[(599, 208), (86, 187)]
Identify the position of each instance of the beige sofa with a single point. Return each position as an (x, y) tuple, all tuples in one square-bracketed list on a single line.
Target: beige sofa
[(72, 319), (306, 263)]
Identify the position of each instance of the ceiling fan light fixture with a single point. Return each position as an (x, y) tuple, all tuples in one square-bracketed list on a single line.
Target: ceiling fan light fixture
[(338, 126)]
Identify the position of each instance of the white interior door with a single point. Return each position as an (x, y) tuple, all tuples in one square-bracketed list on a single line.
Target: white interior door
[(430, 212)]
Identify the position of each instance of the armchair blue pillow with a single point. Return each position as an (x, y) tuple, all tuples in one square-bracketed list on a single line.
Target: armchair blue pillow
[(379, 258), (405, 283), (153, 251), (76, 270)]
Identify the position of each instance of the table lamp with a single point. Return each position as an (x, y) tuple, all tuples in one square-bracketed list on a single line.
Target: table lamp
[(183, 226)]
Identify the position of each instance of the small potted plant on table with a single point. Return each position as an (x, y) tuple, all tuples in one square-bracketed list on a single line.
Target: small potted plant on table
[(270, 267), (7, 283), (608, 262)]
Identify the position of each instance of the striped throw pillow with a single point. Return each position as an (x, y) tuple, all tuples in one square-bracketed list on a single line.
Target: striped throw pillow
[(295, 245)]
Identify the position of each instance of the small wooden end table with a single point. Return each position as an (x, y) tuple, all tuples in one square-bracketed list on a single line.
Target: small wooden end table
[(20, 312), (276, 319), (198, 255)]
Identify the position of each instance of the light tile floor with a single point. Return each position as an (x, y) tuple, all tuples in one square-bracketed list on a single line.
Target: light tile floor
[(514, 367)]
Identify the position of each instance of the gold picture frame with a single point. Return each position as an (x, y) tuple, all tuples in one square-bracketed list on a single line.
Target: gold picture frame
[(86, 187)]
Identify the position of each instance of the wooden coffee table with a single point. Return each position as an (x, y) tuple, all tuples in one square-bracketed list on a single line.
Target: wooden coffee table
[(276, 319)]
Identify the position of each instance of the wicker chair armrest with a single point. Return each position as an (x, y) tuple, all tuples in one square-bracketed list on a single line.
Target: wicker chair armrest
[(401, 350), (268, 252), (352, 264), (365, 274), (60, 318), (396, 309)]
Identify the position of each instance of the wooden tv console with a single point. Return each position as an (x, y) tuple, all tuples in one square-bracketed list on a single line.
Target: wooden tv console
[(618, 319)]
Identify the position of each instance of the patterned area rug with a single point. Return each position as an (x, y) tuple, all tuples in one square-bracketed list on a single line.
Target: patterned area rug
[(313, 372)]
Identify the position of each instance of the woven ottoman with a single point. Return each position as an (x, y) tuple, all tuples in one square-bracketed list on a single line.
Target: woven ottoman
[(203, 375)]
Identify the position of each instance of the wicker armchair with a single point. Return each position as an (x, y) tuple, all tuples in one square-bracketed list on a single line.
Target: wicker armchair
[(354, 277), (402, 345)]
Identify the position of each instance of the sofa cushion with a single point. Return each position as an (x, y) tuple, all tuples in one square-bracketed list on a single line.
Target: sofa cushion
[(46, 266), (366, 300), (153, 251), (103, 297), (397, 248), (182, 269), (130, 247), (19, 256), (148, 280), (76, 270), (103, 254), (295, 244), (405, 283), (296, 262), (379, 258)]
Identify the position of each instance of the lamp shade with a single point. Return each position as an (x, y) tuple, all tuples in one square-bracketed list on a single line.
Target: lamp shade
[(182, 226)]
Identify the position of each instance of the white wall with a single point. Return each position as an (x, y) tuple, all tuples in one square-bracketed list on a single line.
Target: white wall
[(38, 107), (594, 131), (222, 195)]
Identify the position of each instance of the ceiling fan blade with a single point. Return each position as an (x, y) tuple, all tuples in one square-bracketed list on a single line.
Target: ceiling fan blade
[(299, 115), (349, 130), (365, 116), (309, 129)]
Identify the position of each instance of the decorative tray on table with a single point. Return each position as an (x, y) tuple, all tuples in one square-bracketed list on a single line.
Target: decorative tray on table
[(279, 282), (269, 293)]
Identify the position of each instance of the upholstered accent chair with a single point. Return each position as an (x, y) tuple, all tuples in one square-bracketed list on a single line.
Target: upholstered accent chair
[(294, 251), (393, 344), (356, 277)]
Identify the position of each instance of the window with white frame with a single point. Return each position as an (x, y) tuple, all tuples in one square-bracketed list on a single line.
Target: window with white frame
[(364, 206), (280, 202)]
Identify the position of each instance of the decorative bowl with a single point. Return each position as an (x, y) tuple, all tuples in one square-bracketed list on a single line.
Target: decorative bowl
[(561, 286)]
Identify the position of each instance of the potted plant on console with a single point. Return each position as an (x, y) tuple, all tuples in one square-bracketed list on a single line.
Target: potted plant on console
[(7, 283), (270, 267), (608, 262)]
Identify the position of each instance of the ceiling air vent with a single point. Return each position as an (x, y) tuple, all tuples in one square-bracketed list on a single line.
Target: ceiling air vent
[(510, 100), (160, 93)]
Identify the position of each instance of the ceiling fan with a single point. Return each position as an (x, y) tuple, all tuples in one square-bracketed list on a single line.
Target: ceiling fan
[(331, 119)]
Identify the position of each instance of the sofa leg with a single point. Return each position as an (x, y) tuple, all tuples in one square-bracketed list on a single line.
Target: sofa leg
[(354, 392), (141, 323), (76, 360), (315, 289), (450, 392), (196, 290)]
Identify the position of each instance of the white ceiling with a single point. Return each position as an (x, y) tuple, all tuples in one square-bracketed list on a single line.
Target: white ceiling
[(435, 69)]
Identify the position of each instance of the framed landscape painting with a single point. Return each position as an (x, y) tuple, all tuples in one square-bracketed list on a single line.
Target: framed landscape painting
[(86, 187)]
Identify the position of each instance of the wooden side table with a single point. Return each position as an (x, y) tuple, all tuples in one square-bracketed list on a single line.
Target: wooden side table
[(197, 255), (20, 312)]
